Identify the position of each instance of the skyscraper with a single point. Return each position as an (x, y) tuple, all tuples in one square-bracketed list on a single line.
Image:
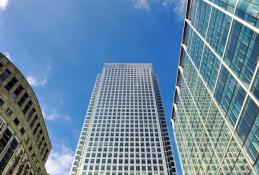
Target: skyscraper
[(215, 111), (24, 140), (124, 132)]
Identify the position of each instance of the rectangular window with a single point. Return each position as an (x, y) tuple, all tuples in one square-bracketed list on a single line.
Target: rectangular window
[(11, 83)]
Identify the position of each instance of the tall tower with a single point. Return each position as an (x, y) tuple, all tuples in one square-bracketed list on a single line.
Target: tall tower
[(24, 140), (215, 111), (125, 130)]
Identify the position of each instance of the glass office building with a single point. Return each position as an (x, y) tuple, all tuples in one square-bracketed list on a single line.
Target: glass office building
[(125, 131), (215, 111)]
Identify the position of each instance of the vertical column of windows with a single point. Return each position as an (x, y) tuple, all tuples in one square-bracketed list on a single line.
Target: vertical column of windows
[(229, 95), (242, 52), (218, 30), (8, 154)]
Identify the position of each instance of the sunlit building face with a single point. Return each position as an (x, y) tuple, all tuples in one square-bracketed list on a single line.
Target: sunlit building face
[(125, 130)]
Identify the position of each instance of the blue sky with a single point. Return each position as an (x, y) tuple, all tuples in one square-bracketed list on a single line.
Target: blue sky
[(61, 45)]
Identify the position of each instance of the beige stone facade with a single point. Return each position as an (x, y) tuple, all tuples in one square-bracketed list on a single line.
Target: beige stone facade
[(24, 140)]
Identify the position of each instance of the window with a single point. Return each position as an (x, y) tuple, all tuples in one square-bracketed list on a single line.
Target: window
[(16, 121), (1, 102), (11, 83), (4, 75), (9, 112), (5, 139), (27, 106), (18, 90), (22, 130), (22, 99)]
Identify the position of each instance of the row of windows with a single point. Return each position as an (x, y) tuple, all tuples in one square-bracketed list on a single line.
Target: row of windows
[(124, 120), (123, 129), (121, 134), (126, 93), (125, 147), (121, 173), (126, 79), (129, 96), (119, 120), (118, 111), (122, 106), (120, 168), (131, 144), (126, 126), (121, 161), (122, 139)]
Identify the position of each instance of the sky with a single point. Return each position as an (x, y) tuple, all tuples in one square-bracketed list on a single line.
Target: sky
[(60, 47)]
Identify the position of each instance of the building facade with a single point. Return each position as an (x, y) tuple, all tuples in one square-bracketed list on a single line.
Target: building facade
[(24, 140), (125, 131), (215, 111)]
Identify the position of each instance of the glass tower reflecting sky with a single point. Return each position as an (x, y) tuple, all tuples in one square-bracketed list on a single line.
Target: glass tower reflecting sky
[(215, 111), (124, 132)]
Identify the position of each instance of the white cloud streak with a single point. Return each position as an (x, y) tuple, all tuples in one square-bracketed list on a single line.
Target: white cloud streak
[(141, 4), (7, 54), (3, 4), (177, 6), (37, 82), (53, 115), (60, 160)]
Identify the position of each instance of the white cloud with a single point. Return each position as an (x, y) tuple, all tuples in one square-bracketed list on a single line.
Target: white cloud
[(35, 81), (179, 8), (60, 160), (53, 115), (3, 4), (7, 54), (141, 4)]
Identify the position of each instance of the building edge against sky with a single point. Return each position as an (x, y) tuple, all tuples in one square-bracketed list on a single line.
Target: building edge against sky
[(24, 140), (125, 130), (215, 110)]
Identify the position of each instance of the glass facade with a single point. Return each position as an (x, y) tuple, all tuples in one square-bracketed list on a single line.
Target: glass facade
[(125, 131), (216, 109)]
